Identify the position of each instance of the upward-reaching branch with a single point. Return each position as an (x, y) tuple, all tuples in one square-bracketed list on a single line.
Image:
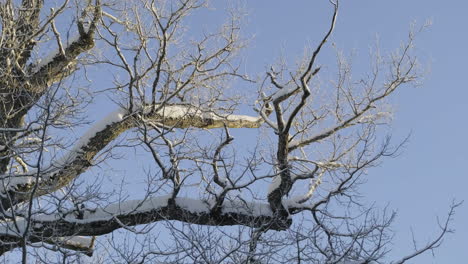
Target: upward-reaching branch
[(284, 181)]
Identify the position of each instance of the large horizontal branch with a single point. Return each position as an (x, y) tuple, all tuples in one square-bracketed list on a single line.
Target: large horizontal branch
[(131, 213), (17, 188)]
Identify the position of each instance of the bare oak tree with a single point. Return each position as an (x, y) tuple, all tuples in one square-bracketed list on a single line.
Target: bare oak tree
[(292, 198)]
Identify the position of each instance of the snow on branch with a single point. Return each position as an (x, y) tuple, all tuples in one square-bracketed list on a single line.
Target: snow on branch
[(53, 54), (62, 171), (184, 116), (80, 244), (61, 62), (101, 221)]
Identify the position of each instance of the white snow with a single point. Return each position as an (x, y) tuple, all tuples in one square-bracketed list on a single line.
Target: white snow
[(44, 61), (103, 214), (77, 241), (111, 118), (275, 183), (140, 206), (193, 205), (9, 182), (238, 206), (292, 203), (283, 92), (243, 117), (189, 204), (226, 181), (181, 111), (127, 207), (174, 111)]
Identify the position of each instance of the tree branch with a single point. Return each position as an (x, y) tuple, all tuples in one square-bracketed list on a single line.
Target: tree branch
[(132, 213), (17, 188)]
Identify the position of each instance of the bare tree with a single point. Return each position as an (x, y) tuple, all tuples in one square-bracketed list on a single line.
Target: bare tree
[(291, 198)]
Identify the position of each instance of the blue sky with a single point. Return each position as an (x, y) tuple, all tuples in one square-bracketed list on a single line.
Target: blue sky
[(422, 182)]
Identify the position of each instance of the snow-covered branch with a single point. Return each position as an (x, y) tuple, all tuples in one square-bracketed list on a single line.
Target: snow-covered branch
[(16, 188), (101, 221), (82, 244)]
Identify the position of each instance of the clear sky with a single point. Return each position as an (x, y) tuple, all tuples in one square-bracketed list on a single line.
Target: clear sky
[(422, 182)]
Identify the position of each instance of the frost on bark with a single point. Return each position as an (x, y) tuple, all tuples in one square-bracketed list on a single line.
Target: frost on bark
[(171, 101)]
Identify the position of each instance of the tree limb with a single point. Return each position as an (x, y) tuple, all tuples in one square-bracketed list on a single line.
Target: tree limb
[(132, 213), (17, 188)]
